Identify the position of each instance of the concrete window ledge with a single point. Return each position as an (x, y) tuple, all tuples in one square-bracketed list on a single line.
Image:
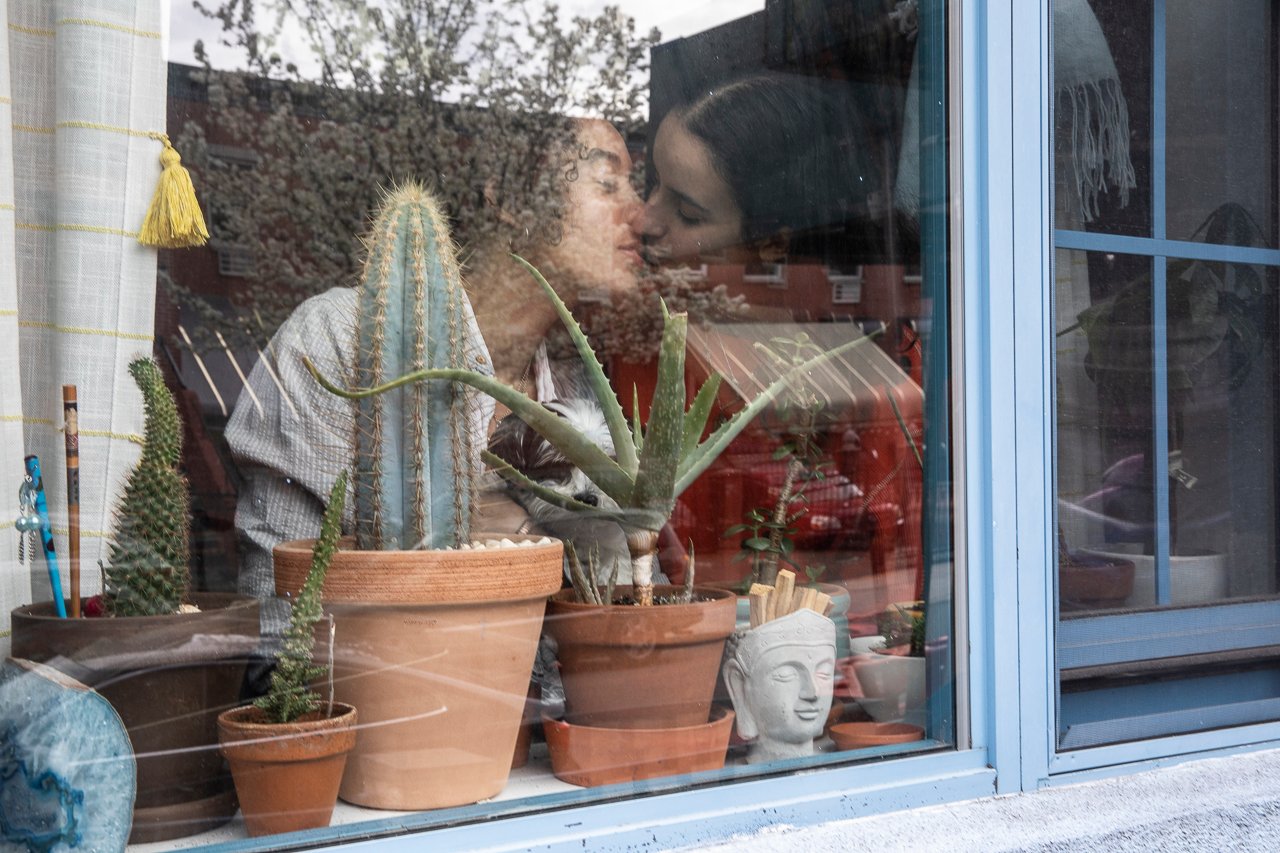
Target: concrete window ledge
[(1228, 803)]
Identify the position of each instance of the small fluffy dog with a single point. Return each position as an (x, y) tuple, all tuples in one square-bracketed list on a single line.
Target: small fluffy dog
[(531, 455)]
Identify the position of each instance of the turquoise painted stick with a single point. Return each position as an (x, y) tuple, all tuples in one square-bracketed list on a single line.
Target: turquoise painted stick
[(46, 534)]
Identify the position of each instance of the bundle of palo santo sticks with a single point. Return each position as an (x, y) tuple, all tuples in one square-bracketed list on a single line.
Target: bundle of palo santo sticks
[(773, 602)]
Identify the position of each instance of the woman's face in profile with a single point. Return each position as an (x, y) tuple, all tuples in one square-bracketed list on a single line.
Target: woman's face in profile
[(691, 213)]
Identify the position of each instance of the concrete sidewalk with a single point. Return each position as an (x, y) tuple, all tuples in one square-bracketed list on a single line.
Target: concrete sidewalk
[(1217, 804)]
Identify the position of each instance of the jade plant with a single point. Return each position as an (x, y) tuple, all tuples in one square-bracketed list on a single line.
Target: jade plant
[(148, 570), (415, 458), (290, 694), (654, 464)]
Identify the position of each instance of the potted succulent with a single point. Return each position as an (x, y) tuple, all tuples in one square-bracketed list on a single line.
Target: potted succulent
[(644, 660), (892, 674), (169, 660), (287, 750), (436, 626)]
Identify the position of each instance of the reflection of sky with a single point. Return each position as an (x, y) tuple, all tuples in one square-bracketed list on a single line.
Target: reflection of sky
[(674, 18)]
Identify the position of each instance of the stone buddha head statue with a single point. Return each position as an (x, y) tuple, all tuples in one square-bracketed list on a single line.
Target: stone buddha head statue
[(780, 676)]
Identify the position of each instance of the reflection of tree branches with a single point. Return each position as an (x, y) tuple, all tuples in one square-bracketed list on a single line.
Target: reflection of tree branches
[(471, 96)]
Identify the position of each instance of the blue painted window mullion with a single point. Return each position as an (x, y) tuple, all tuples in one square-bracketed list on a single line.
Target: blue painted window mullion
[(1159, 316)]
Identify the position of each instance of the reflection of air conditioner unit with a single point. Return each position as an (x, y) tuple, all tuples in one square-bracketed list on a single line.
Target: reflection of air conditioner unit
[(235, 261), (846, 288), (773, 275)]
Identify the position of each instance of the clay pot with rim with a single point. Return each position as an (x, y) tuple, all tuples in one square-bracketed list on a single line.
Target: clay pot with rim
[(168, 677), (436, 649), (860, 735), (287, 774), (633, 667), (597, 755)]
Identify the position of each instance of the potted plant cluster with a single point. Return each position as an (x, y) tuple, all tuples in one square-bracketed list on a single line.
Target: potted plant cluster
[(169, 660), (288, 749), (638, 662), (436, 632)]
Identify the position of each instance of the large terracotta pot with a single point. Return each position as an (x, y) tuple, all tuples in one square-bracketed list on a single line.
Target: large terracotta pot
[(168, 677), (435, 648), (641, 667), (286, 774)]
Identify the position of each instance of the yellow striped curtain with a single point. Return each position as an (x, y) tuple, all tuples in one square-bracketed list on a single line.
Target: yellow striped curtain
[(82, 91)]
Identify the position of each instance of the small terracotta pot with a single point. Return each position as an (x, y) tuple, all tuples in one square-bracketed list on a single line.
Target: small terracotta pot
[(593, 755), (636, 667), (286, 774), (865, 735)]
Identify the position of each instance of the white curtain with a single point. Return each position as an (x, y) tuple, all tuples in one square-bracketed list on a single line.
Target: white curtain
[(82, 92)]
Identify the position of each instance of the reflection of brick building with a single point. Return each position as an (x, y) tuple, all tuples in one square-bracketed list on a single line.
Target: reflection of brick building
[(207, 381)]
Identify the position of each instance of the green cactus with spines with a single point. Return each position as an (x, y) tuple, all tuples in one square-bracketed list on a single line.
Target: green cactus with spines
[(148, 570), (290, 695), (416, 458)]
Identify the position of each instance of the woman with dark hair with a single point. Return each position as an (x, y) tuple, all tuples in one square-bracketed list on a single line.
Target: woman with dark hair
[(754, 166)]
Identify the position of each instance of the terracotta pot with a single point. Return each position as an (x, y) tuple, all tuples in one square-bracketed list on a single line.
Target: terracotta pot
[(594, 755), (168, 677), (435, 648), (866, 735), (640, 667), (286, 774)]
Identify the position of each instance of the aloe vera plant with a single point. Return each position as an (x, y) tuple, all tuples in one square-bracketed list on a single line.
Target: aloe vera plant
[(654, 464)]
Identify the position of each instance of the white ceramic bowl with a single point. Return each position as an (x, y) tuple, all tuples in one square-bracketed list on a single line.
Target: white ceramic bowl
[(892, 684)]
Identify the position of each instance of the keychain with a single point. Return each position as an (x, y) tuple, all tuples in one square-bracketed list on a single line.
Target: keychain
[(28, 523)]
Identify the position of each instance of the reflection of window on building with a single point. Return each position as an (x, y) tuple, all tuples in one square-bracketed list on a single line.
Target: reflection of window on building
[(234, 260)]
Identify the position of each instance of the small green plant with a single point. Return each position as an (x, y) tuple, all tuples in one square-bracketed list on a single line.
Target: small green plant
[(654, 464), (903, 626), (773, 528), (290, 695), (148, 569)]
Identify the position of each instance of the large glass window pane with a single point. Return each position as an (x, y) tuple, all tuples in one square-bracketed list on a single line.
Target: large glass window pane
[(749, 198), (1166, 366)]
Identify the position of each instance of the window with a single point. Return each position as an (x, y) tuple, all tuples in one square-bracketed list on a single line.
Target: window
[(765, 183), (1166, 298)]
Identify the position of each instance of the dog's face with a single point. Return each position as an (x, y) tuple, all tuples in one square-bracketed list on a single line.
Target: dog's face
[(531, 455)]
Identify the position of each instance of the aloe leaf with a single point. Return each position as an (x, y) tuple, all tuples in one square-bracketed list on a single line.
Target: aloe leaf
[(637, 429), (576, 447), (512, 475), (695, 420), (614, 417), (664, 434), (906, 431), (707, 452)]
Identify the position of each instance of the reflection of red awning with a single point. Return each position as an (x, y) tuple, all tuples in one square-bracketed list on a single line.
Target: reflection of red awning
[(854, 387)]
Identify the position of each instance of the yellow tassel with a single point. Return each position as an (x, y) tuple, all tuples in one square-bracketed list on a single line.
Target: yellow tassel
[(174, 220)]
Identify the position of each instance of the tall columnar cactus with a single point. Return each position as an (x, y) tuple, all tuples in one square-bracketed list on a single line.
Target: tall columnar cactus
[(415, 457), (148, 571)]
